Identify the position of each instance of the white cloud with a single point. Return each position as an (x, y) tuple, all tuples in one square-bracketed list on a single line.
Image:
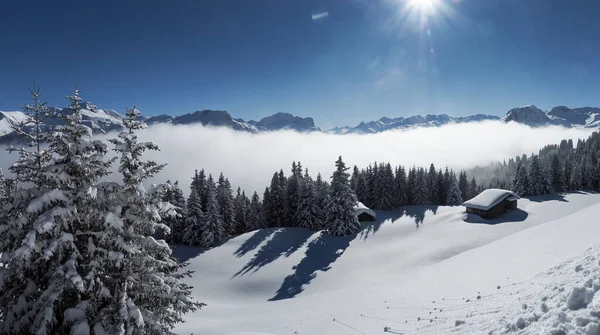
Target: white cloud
[(249, 160)]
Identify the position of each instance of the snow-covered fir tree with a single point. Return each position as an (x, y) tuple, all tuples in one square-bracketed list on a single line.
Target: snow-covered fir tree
[(212, 228), (256, 218), (293, 195), (3, 193), (576, 180), (361, 188), (354, 179), (463, 185), (454, 197), (49, 269), (473, 189), (400, 181), (225, 201), (421, 193), (341, 218), (309, 215), (442, 188), (520, 183), (385, 195), (556, 174), (176, 223), (200, 183), (130, 303), (240, 211), (192, 232), (597, 175), (432, 185), (537, 182), (321, 189), (274, 201), (410, 187)]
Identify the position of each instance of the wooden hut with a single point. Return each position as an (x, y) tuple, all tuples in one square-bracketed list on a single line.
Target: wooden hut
[(492, 203), (364, 213)]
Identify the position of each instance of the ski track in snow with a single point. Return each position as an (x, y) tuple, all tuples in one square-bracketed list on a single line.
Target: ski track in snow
[(537, 274)]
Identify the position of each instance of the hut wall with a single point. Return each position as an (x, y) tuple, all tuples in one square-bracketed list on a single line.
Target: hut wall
[(365, 217)]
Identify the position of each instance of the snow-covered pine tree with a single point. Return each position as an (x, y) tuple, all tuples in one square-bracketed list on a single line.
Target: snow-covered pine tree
[(225, 201), (537, 182), (576, 182), (275, 202), (442, 188), (199, 182), (256, 216), (568, 172), (597, 175), (385, 193), (374, 186), (463, 185), (454, 197), (421, 193), (293, 195), (556, 174), (432, 185), (410, 188), (341, 218), (192, 233), (213, 230), (322, 189), (400, 181), (240, 210), (142, 291), (354, 178), (361, 188), (520, 183), (309, 214), (47, 265), (587, 172), (473, 189), (3, 194)]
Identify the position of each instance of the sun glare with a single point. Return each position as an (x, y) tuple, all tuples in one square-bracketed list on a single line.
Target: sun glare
[(424, 7)]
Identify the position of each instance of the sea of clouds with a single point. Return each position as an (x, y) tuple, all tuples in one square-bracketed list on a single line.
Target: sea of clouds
[(249, 160)]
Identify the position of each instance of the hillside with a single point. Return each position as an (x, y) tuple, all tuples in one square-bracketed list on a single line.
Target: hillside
[(396, 278)]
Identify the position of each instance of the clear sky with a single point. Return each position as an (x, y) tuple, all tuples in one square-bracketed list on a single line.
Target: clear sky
[(339, 61)]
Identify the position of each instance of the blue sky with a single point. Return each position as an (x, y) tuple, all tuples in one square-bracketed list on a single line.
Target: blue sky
[(364, 60)]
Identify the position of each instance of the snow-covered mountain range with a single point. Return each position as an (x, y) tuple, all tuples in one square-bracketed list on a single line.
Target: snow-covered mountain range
[(106, 120)]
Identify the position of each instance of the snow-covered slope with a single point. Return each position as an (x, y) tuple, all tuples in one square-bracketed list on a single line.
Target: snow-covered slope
[(529, 115), (449, 275), (6, 118)]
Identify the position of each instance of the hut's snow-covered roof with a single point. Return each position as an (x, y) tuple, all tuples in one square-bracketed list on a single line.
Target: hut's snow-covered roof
[(490, 198), (360, 209)]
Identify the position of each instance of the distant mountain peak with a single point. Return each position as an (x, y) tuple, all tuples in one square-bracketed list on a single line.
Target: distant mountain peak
[(105, 120)]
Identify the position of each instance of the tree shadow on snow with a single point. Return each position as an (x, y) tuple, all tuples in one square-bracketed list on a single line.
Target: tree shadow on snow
[(284, 241), (548, 197), (253, 242), (371, 227), (320, 254), (515, 215), (186, 252), (417, 212)]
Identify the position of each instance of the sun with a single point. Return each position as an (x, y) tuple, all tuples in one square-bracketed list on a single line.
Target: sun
[(423, 7)]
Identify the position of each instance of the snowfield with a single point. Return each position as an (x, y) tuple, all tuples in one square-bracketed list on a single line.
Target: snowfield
[(417, 270)]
